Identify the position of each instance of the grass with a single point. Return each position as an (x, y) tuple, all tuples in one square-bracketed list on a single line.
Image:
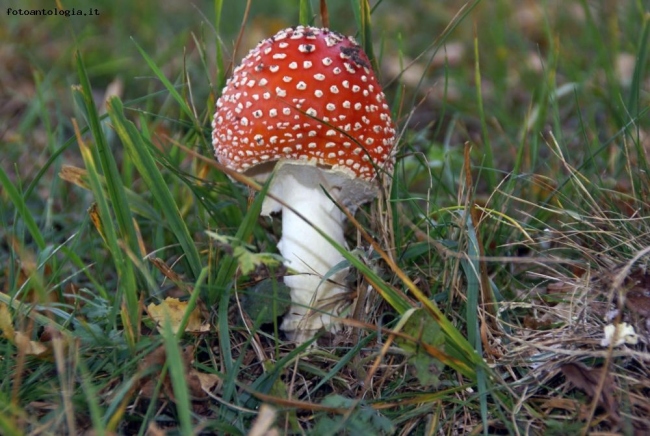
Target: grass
[(515, 228)]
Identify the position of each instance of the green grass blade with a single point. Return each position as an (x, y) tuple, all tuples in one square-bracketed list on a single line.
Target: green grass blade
[(123, 265), (136, 203), (466, 360), (396, 299), (114, 411), (177, 373), (265, 382), (191, 303), (362, 10), (221, 67), (639, 67), (185, 108), (101, 155), (91, 396), (48, 164), (146, 166), (343, 361), (21, 207), (471, 267), (636, 87), (9, 427), (223, 283), (76, 260), (306, 13)]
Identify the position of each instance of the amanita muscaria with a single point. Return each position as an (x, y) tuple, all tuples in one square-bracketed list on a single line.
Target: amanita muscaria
[(306, 104)]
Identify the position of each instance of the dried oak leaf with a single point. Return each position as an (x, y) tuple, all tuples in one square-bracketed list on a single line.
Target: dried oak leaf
[(587, 380), (174, 310)]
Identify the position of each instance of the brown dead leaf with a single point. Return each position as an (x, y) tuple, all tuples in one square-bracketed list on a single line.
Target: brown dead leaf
[(6, 323), (560, 288), (199, 384), (29, 347), (152, 365), (532, 323), (561, 403), (18, 338), (208, 382), (637, 298), (173, 309), (75, 175), (587, 380), (28, 268)]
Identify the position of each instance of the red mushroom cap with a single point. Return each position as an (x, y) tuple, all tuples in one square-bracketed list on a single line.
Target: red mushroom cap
[(305, 94)]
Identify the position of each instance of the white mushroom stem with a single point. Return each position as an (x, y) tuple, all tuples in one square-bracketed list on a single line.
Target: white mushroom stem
[(309, 254), (314, 299)]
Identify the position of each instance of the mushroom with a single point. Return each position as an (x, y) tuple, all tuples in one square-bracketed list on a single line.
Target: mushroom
[(306, 106)]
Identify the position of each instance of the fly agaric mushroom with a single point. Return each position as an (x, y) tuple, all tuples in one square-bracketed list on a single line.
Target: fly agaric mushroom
[(305, 104)]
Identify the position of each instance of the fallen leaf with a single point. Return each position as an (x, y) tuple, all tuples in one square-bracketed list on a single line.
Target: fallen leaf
[(587, 380), (19, 339), (561, 403), (194, 387), (150, 368), (624, 334), (638, 301), (29, 347), (532, 323), (199, 384), (262, 426), (173, 309), (6, 323), (208, 382)]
